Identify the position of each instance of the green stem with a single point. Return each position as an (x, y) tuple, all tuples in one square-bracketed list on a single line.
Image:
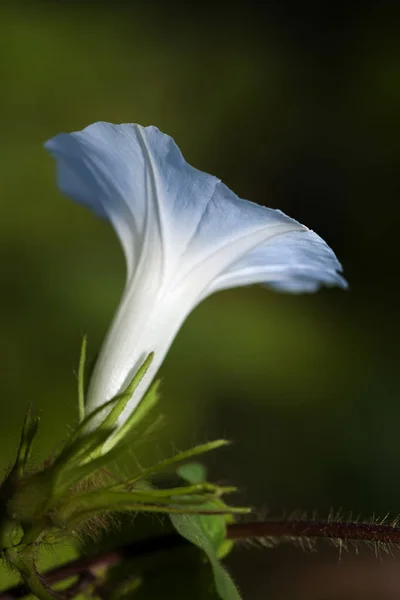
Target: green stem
[(23, 561)]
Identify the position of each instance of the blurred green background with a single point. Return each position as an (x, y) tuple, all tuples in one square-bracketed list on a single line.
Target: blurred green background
[(291, 107)]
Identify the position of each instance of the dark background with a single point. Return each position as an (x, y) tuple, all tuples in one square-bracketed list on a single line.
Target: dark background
[(291, 106)]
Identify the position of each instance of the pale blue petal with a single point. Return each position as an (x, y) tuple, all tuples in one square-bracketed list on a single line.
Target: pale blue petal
[(70, 183), (138, 178), (298, 261), (181, 220)]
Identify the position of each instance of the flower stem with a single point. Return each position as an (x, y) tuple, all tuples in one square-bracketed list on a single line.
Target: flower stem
[(378, 532), (346, 531)]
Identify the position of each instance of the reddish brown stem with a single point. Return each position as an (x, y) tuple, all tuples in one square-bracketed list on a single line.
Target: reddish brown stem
[(368, 532)]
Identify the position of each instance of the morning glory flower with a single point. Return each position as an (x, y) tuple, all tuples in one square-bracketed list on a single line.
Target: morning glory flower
[(185, 235)]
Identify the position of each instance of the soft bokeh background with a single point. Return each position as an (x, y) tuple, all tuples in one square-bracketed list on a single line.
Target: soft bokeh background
[(292, 108)]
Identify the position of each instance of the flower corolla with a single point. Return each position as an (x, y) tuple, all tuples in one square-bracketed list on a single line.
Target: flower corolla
[(185, 235)]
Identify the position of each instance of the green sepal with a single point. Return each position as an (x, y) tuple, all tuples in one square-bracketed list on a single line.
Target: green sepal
[(126, 395), (77, 510), (165, 464), (197, 498), (74, 463), (87, 424), (97, 461), (146, 405), (31, 497), (81, 379), (81, 450), (28, 435), (79, 472), (83, 439), (197, 489)]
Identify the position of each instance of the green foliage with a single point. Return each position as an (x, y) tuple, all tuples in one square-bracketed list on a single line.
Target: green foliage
[(193, 472), (79, 487), (208, 533)]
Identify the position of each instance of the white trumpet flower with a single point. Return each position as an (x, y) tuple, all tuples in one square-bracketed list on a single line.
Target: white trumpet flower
[(185, 235)]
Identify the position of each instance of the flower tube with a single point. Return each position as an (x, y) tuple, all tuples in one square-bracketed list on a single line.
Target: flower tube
[(184, 234)]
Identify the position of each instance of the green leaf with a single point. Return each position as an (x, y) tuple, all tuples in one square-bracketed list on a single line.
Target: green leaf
[(193, 472), (205, 533)]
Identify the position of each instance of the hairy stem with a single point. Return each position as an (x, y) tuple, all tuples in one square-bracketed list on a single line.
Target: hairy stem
[(367, 532), (85, 567)]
